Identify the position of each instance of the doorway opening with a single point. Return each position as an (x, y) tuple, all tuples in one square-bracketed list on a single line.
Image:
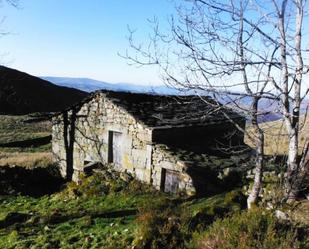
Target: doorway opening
[(114, 147), (170, 181)]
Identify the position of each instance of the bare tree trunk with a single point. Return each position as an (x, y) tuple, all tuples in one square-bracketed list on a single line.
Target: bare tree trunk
[(259, 135), (259, 163), (291, 118), (293, 126), (259, 157), (292, 165)]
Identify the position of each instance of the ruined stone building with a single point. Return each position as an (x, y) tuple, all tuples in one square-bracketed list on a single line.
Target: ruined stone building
[(162, 140)]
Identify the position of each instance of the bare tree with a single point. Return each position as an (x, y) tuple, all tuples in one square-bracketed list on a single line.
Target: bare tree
[(289, 87), (242, 53)]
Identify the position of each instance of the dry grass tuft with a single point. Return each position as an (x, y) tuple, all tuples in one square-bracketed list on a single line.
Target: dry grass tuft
[(276, 138), (247, 230), (27, 160), (300, 213)]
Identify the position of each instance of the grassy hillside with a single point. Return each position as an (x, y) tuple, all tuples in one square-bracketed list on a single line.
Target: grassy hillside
[(109, 212), (21, 93), (276, 142), (20, 128), (24, 142)]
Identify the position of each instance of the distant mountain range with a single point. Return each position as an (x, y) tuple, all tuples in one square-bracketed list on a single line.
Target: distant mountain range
[(21, 93), (90, 85)]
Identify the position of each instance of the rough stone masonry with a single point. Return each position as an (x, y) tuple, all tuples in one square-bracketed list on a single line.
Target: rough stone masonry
[(140, 134)]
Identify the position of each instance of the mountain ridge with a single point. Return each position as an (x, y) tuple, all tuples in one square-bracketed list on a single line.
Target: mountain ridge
[(22, 93), (90, 85)]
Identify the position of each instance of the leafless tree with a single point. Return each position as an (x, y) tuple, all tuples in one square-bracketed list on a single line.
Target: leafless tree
[(289, 86), (245, 53)]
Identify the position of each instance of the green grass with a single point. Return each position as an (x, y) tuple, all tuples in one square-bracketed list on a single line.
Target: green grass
[(111, 213), (36, 149), (257, 228), (78, 216), (85, 216), (41, 231), (73, 217), (15, 128)]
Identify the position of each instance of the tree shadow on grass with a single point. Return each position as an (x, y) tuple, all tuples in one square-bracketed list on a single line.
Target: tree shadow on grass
[(34, 142), (32, 182), (16, 218)]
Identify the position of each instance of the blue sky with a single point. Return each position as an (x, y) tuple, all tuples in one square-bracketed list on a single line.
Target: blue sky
[(78, 38)]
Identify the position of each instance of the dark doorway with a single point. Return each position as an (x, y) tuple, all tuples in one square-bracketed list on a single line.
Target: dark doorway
[(170, 181), (114, 147)]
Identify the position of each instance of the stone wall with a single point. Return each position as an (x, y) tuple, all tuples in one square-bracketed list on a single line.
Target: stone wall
[(199, 173), (81, 136), (164, 159), (92, 123)]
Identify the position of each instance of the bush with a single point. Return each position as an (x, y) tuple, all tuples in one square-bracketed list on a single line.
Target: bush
[(245, 230), (199, 214), (169, 223), (159, 229)]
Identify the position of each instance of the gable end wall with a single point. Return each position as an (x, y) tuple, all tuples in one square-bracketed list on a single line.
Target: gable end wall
[(93, 121)]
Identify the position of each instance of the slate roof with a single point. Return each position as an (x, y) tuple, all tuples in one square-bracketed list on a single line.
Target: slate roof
[(163, 111), (166, 111)]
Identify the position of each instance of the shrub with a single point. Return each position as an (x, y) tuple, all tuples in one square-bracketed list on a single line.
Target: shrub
[(159, 229), (245, 230), (201, 213), (169, 223), (137, 187)]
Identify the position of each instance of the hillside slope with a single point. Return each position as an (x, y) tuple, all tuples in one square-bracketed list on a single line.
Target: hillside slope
[(21, 93), (276, 137)]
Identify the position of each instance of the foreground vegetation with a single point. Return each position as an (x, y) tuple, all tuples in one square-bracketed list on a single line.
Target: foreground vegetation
[(111, 210)]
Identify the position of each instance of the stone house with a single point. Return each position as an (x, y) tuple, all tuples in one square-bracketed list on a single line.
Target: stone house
[(160, 139)]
